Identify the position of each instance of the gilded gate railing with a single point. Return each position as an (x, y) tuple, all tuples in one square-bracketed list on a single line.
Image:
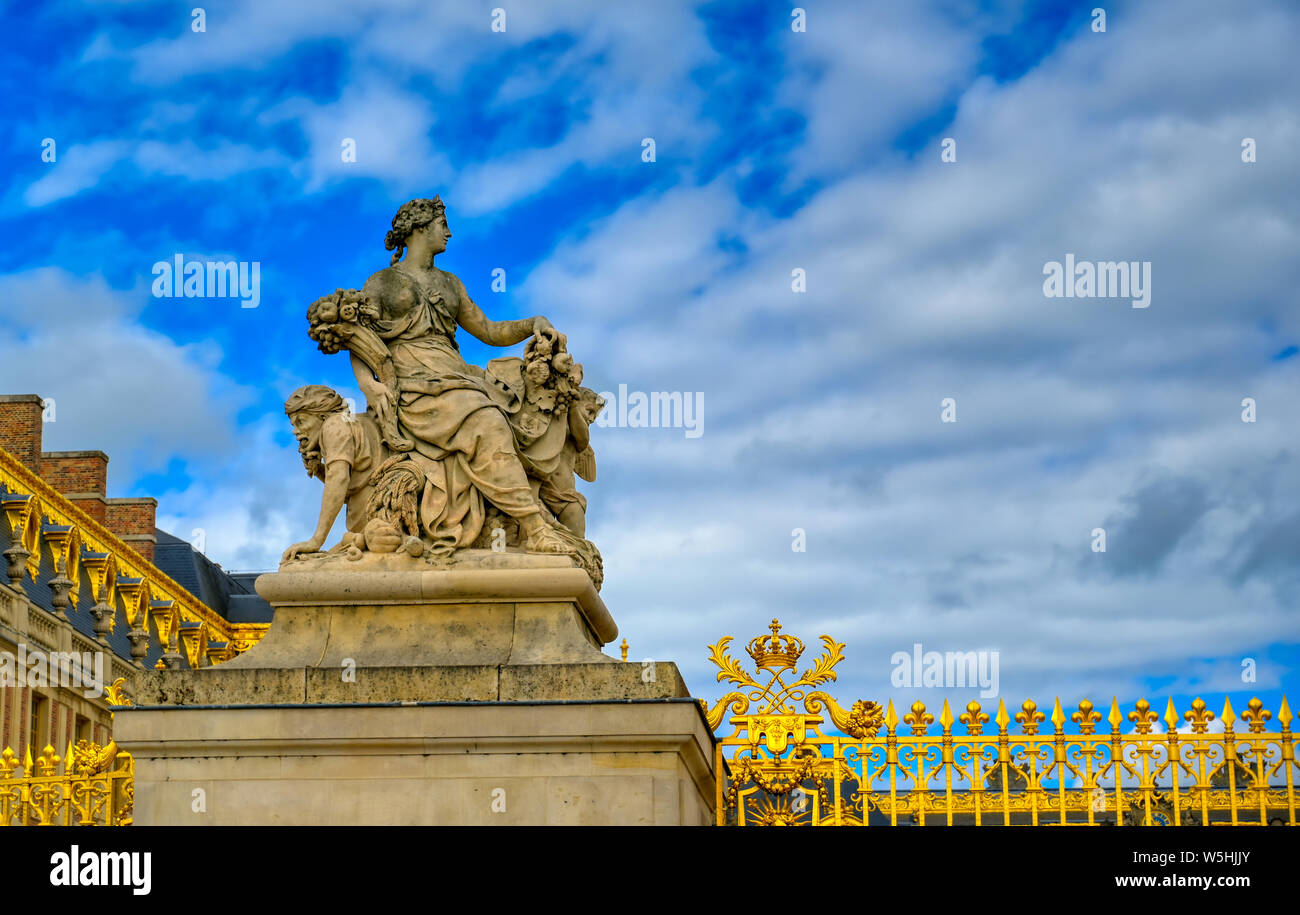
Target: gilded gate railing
[(785, 763), (96, 788)]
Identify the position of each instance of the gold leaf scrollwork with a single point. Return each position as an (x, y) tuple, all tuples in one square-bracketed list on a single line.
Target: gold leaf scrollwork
[(714, 716), (729, 669), (116, 693), (823, 670)]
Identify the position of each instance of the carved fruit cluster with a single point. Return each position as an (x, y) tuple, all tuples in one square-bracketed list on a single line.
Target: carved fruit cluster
[(331, 318), (561, 376)]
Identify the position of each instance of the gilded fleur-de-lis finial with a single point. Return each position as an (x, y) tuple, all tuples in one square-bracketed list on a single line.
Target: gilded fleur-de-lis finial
[(8, 763), (1200, 716), (1086, 717), (47, 762), (1142, 716), (918, 718), (973, 718), (1255, 715), (1030, 717)]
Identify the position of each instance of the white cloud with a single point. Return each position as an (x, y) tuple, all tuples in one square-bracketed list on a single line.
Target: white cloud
[(624, 77), (118, 387), (391, 132), (83, 166), (860, 76), (188, 160), (76, 168)]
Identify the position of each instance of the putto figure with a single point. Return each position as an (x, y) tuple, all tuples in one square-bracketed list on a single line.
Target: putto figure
[(552, 426), (443, 443)]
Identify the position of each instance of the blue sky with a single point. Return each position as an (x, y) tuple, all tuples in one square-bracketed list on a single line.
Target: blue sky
[(775, 150)]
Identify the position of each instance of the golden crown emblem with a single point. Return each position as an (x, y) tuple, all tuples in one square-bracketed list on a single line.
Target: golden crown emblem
[(774, 651)]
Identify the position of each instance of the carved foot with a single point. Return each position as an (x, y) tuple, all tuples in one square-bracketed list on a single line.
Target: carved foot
[(545, 540)]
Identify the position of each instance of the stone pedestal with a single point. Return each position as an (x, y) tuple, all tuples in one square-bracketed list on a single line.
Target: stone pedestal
[(475, 694), (517, 763)]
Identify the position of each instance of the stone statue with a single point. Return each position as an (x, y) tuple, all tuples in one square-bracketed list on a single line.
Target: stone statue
[(447, 456)]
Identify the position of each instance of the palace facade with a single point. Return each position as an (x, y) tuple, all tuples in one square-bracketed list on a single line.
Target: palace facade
[(92, 590)]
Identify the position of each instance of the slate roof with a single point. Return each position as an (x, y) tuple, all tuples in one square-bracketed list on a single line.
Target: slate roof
[(232, 596)]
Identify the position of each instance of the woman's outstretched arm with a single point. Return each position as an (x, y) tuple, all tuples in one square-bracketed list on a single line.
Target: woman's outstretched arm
[(497, 333)]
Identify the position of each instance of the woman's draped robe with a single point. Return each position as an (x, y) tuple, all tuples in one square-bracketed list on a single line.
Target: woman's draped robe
[(455, 413)]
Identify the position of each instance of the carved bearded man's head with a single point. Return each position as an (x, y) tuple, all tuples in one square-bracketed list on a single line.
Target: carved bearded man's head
[(307, 408)]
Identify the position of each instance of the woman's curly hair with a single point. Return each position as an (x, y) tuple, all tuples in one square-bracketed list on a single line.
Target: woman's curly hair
[(412, 215)]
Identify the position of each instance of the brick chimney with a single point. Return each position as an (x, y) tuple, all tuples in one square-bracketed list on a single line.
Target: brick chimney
[(82, 477), (133, 520), (20, 428)]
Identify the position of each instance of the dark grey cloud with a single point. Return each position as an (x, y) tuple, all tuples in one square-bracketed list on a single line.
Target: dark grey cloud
[(1271, 551), (1155, 519)]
